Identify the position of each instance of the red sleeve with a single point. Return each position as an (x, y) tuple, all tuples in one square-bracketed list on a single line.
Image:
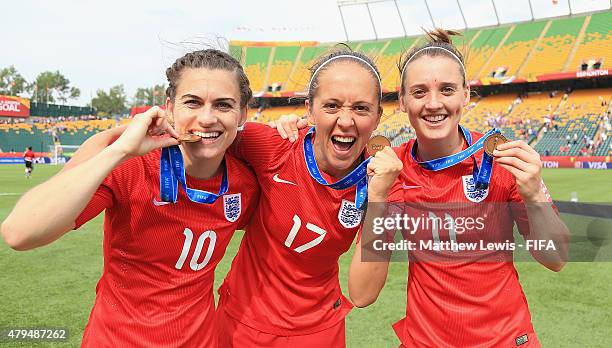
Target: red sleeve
[(102, 199), (259, 145)]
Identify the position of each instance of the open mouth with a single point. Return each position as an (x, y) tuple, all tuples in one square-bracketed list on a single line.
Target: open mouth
[(207, 137), (342, 144), (435, 119)]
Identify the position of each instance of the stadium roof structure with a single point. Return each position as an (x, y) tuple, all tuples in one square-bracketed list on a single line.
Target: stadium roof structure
[(573, 46)]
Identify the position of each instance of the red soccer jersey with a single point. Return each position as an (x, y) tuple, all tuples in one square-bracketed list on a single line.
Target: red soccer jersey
[(159, 258), (477, 301), (28, 155), (284, 279)]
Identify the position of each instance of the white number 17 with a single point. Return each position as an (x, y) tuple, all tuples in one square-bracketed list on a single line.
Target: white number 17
[(297, 223)]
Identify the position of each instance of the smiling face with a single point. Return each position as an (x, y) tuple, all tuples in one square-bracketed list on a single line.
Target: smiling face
[(434, 97), (346, 110), (207, 104)]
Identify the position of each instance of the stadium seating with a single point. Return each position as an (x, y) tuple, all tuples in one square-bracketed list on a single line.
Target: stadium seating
[(388, 60), (580, 113), (40, 135), (256, 66), (485, 109), (282, 63), (515, 49), (596, 42), (299, 78), (553, 50), (481, 49), (579, 116), (511, 50), (16, 137)]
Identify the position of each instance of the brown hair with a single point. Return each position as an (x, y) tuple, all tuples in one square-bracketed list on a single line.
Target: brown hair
[(209, 59), (436, 38), (344, 50)]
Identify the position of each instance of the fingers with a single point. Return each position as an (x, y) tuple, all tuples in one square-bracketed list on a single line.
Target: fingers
[(159, 123), (150, 115), (516, 144), (155, 128), (383, 170), (164, 141), (514, 162), (516, 153), (371, 168), (287, 127), (302, 123), (281, 130), (519, 150), (293, 132), (385, 161), (167, 127)]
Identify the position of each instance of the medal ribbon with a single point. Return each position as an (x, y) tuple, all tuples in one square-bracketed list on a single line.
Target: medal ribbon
[(482, 176), (172, 172), (357, 176)]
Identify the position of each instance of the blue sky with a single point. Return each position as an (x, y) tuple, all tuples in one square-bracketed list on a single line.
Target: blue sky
[(99, 44)]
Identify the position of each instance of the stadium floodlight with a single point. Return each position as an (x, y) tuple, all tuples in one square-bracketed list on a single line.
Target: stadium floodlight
[(531, 10), (344, 3), (462, 15), (495, 10), (433, 24)]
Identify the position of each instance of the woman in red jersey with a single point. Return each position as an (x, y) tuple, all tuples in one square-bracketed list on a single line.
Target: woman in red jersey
[(161, 243), (283, 288), (458, 298)]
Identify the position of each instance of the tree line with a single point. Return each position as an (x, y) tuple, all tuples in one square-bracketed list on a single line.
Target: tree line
[(53, 87)]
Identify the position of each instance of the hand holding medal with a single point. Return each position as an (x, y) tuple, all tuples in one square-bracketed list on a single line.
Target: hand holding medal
[(522, 161), (383, 168), (144, 133)]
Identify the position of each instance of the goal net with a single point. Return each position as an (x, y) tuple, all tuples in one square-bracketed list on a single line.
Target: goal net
[(60, 154)]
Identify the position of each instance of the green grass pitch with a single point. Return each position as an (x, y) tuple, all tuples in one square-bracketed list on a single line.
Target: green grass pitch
[(54, 286)]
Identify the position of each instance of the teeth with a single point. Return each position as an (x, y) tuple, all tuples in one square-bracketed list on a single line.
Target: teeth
[(434, 118), (206, 134), (343, 139)]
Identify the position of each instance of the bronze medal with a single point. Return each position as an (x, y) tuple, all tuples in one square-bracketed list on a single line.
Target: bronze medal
[(189, 138), (377, 143), (492, 141)]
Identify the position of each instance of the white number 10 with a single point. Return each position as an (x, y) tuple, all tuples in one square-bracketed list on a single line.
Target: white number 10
[(198, 249)]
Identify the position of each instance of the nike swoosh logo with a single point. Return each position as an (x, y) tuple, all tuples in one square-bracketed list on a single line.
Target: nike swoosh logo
[(408, 187), (158, 203), (277, 179)]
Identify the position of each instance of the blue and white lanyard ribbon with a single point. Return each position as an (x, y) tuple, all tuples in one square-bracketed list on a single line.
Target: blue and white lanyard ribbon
[(357, 176), (172, 172), (482, 176)]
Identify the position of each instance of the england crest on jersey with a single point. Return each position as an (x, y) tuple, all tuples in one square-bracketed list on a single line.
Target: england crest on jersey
[(471, 193), (232, 207), (348, 215)]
